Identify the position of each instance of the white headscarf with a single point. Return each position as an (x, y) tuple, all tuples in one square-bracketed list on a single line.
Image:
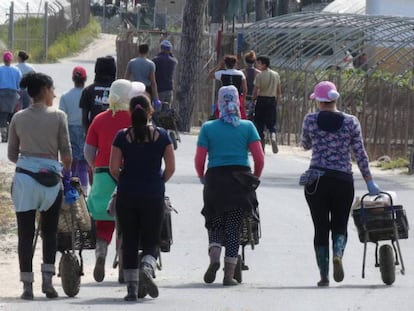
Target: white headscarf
[(120, 93)]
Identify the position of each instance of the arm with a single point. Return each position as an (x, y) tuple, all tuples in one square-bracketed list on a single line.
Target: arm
[(13, 146), (244, 87), (154, 88), (305, 139), (220, 65), (65, 148), (89, 152), (115, 162), (255, 92), (200, 160), (85, 120), (169, 162), (278, 92), (258, 157)]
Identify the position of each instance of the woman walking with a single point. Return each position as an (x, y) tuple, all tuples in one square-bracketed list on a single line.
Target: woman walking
[(35, 149), (332, 135), (136, 160), (97, 152), (227, 142)]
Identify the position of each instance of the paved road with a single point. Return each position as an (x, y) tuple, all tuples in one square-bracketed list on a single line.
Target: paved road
[(282, 273)]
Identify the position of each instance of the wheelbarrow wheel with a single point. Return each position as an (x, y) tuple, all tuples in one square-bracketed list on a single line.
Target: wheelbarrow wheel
[(238, 270), (387, 264), (69, 271)]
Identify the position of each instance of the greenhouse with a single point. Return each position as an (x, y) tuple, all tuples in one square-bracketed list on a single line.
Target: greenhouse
[(370, 58)]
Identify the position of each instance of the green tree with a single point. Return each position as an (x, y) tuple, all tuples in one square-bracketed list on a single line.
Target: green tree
[(190, 50)]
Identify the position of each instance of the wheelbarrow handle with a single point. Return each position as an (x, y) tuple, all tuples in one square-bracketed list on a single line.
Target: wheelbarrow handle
[(381, 192)]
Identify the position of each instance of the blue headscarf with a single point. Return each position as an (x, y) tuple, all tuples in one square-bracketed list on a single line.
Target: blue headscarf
[(229, 105)]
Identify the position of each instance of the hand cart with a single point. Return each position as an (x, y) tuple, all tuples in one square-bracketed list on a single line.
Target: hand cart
[(76, 231), (167, 118), (250, 233), (380, 221)]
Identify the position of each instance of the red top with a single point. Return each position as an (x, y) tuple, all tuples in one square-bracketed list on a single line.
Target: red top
[(102, 132)]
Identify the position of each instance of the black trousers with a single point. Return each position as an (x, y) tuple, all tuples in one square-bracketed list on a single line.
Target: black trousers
[(26, 229), (140, 223), (330, 202), (265, 115)]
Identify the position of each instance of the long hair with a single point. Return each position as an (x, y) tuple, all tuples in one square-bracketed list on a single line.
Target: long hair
[(140, 109)]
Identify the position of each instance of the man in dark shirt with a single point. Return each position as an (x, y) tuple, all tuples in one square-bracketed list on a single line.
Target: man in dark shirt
[(165, 64), (94, 98)]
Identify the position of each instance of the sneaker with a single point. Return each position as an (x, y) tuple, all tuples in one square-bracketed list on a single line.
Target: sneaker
[(273, 141), (338, 273)]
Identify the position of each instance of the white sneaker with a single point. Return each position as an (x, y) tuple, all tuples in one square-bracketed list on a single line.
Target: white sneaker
[(273, 141)]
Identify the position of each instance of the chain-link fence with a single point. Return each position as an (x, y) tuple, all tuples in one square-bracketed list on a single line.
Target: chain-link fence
[(38, 26)]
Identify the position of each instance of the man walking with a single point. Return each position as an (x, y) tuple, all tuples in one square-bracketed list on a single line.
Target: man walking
[(267, 92), (165, 64), (142, 69)]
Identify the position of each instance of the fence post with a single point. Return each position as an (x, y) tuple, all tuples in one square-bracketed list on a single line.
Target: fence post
[(411, 164), (11, 26), (46, 31)]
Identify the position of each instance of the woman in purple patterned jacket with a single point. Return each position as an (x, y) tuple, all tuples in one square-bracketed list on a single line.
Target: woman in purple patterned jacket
[(332, 135)]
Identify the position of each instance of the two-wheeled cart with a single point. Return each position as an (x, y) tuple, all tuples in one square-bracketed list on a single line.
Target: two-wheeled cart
[(76, 232), (378, 221), (167, 118), (250, 233)]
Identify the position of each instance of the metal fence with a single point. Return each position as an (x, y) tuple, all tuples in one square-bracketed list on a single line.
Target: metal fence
[(54, 19)]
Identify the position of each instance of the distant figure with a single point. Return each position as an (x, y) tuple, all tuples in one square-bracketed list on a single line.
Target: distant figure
[(267, 93), (9, 86), (250, 73), (69, 103), (348, 61), (363, 61), (142, 69), (165, 64), (226, 72), (24, 68)]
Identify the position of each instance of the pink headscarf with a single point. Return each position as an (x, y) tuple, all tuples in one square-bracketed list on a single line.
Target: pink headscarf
[(7, 56)]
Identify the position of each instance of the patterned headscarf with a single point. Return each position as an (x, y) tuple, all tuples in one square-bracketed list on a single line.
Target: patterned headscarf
[(229, 105)]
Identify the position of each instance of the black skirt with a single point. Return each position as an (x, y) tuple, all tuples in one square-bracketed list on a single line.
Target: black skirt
[(223, 193)]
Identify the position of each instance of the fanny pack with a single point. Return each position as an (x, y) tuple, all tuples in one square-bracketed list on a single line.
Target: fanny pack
[(44, 177), (248, 180)]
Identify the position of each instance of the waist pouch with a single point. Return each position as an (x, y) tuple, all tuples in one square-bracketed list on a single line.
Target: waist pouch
[(248, 180), (45, 177)]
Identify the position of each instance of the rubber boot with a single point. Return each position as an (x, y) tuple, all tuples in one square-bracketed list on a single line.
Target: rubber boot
[(322, 259), (100, 253), (48, 271), (229, 268), (214, 253), (27, 279), (338, 245), (131, 279), (3, 131), (147, 274)]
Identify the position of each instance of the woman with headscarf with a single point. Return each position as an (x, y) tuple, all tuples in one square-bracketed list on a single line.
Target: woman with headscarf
[(227, 141), (38, 135), (97, 150), (136, 162)]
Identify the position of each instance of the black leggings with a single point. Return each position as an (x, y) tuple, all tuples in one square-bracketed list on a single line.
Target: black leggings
[(330, 204), (26, 230), (140, 224)]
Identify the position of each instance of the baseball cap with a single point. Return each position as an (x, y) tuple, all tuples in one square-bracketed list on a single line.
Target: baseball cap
[(165, 44), (325, 91), (79, 72)]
